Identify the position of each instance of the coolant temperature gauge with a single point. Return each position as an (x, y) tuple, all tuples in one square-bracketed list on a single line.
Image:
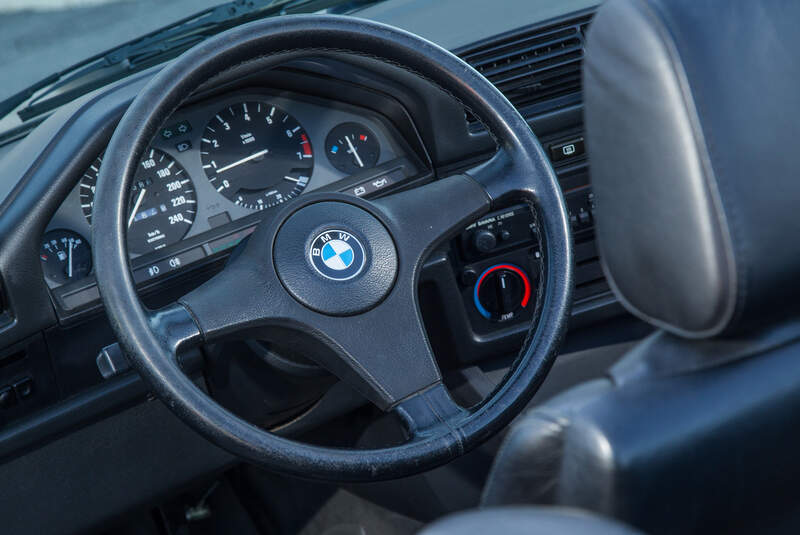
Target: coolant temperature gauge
[(352, 147), (65, 256)]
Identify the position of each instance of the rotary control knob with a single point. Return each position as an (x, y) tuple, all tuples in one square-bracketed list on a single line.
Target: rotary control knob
[(501, 292), (484, 241)]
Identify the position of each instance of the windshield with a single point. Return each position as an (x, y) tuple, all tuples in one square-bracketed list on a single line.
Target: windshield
[(39, 37)]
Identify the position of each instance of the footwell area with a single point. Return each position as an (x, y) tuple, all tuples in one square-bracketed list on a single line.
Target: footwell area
[(246, 501), (347, 514)]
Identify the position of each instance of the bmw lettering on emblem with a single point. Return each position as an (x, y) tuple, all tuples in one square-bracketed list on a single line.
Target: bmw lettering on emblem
[(337, 255)]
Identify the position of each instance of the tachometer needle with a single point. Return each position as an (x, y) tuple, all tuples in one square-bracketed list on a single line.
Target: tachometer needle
[(354, 152), (243, 160), (136, 206)]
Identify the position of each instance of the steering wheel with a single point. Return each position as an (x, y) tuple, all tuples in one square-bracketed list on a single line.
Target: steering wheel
[(362, 321)]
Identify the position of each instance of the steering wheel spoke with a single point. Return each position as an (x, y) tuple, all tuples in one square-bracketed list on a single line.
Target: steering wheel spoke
[(513, 174), (175, 328), (430, 412), (427, 215), (243, 299), (384, 353)]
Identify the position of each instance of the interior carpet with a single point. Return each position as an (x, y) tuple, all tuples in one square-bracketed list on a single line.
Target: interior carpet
[(347, 514)]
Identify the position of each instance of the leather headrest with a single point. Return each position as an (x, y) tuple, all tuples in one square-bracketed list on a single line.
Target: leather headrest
[(693, 122)]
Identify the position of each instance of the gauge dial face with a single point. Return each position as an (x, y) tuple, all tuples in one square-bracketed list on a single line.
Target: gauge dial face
[(256, 155), (352, 147), (162, 203), (65, 256), (87, 187)]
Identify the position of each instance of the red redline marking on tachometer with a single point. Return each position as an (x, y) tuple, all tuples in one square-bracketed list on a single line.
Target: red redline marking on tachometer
[(306, 145)]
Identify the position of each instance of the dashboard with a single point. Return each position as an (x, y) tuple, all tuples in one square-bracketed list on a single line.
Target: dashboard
[(250, 143), (214, 170), (204, 187)]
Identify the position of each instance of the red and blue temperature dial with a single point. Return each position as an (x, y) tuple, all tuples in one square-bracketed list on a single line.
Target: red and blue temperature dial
[(502, 291)]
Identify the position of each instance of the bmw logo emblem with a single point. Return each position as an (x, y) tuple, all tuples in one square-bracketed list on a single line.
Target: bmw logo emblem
[(337, 255)]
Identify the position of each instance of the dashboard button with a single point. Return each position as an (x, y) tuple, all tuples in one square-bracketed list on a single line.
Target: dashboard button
[(469, 277), (567, 150)]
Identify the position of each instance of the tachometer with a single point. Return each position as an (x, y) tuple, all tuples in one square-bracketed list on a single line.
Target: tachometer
[(256, 155), (162, 206)]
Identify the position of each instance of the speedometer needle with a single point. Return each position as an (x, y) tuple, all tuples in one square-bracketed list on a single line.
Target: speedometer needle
[(136, 206), (354, 152), (243, 160)]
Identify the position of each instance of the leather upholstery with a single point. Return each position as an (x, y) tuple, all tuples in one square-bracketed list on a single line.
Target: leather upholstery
[(526, 521), (705, 446), (691, 111)]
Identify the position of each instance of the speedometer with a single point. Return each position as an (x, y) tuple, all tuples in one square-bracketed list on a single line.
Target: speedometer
[(256, 155), (162, 205)]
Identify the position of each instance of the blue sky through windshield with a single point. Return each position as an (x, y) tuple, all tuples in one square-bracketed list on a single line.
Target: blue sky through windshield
[(38, 37)]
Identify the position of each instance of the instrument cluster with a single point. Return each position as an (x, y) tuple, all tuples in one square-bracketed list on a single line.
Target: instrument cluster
[(223, 160)]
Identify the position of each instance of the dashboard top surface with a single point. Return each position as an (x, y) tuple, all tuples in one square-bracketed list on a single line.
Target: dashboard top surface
[(453, 24)]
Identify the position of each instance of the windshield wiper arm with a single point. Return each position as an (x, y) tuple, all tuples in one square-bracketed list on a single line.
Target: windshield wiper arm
[(148, 50)]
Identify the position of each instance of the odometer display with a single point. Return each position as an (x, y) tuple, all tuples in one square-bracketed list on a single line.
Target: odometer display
[(256, 155), (162, 203)]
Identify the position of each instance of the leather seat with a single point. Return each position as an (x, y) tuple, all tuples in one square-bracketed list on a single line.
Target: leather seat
[(692, 113), (526, 521)]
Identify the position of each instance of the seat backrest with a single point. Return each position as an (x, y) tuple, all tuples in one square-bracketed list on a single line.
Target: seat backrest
[(669, 451), (691, 107)]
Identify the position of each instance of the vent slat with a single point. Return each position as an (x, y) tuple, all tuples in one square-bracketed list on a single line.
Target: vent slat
[(536, 67), (535, 62), (571, 63), (526, 48)]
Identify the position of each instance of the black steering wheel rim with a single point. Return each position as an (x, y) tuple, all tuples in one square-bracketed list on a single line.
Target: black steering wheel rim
[(520, 169)]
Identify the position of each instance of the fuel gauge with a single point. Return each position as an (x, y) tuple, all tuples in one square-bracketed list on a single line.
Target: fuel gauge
[(352, 147), (65, 256)]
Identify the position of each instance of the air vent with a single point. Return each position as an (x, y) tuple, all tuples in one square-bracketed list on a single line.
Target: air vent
[(538, 69)]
